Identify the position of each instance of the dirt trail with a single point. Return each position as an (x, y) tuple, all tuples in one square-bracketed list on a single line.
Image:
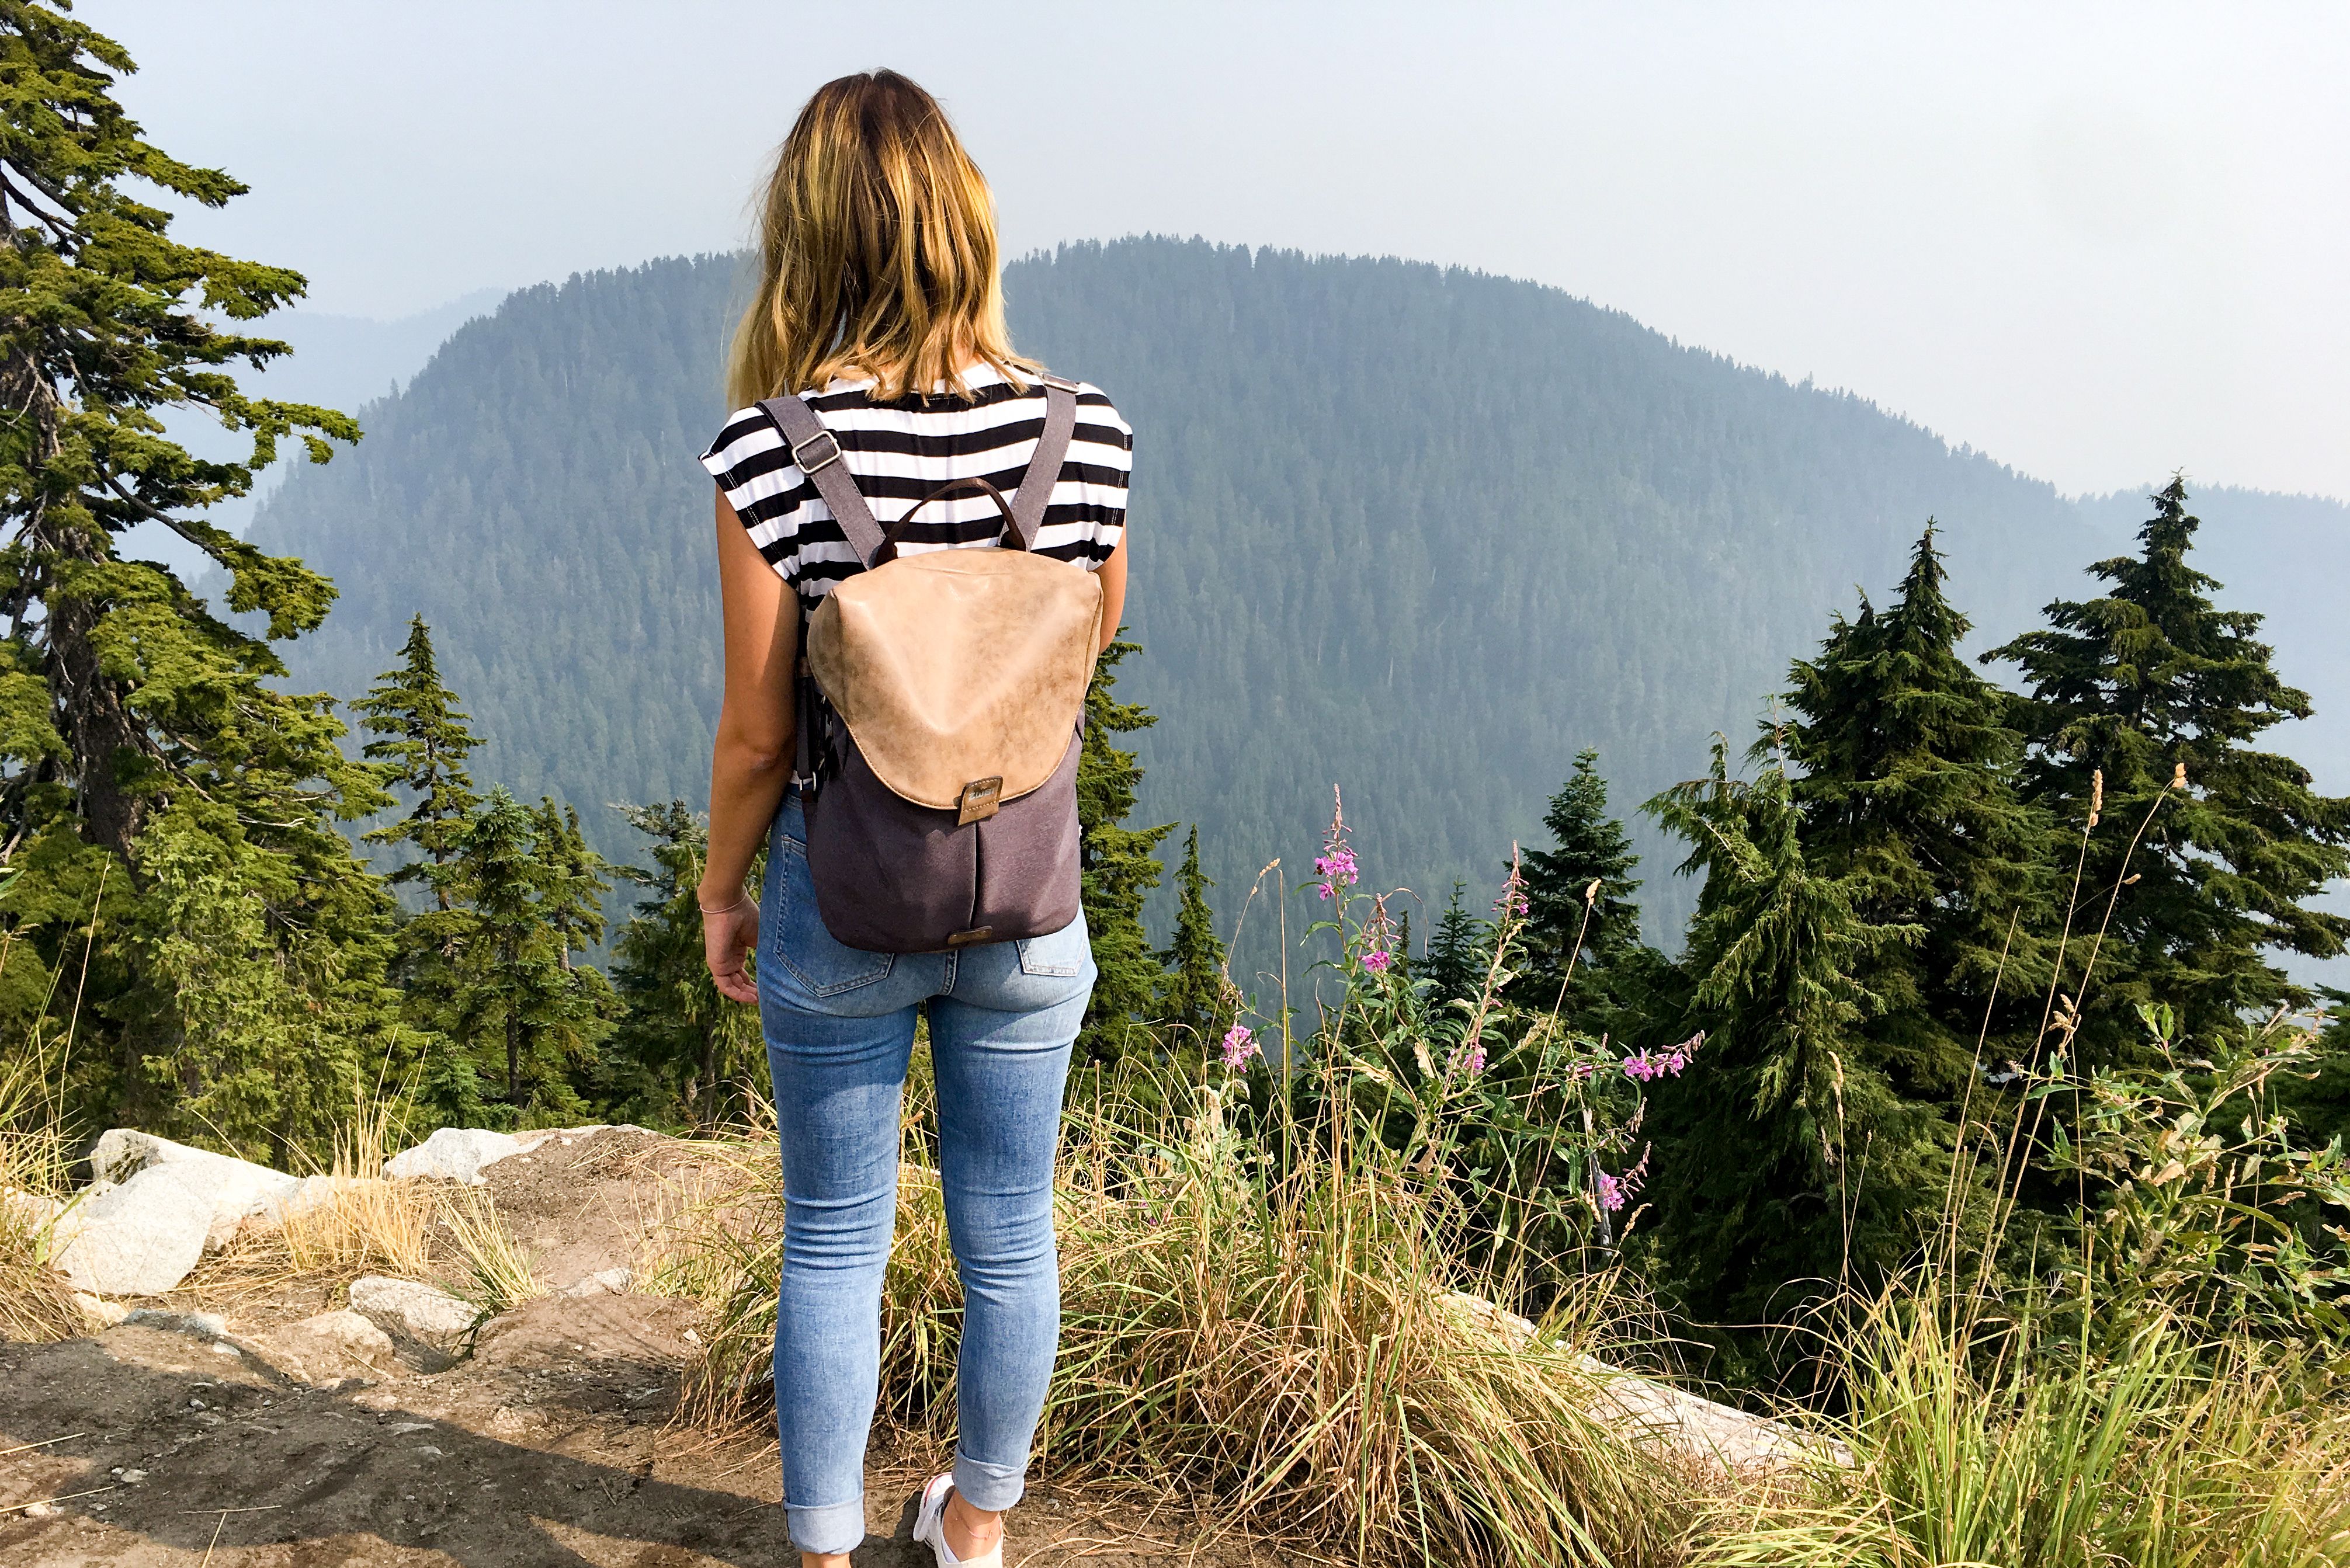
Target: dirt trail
[(553, 1444)]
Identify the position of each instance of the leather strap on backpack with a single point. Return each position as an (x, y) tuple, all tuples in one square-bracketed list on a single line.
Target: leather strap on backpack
[(817, 452)]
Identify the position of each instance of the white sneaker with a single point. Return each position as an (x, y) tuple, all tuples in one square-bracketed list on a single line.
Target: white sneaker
[(930, 1529)]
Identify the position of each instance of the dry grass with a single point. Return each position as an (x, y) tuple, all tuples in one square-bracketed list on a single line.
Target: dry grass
[(35, 1302), (2170, 1455), (499, 1270), (1291, 1355)]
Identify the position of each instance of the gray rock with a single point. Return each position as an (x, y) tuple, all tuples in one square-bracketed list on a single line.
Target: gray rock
[(98, 1310), (329, 1345), (609, 1281), (417, 1312), (1716, 1436), (200, 1324), (139, 1238), (237, 1188), (459, 1154), (455, 1154)]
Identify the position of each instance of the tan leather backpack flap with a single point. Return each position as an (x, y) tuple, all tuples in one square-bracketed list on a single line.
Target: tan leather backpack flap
[(959, 665)]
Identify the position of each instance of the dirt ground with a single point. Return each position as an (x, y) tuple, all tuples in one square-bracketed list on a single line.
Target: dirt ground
[(554, 1443)]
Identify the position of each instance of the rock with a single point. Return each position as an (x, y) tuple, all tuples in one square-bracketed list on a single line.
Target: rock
[(417, 1312), (98, 1310), (237, 1188), (197, 1324), (459, 1154), (454, 1154), (140, 1238), (29, 1209), (1719, 1436), (610, 1282), (328, 1347)]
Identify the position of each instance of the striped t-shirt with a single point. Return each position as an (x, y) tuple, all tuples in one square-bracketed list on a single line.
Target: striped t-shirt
[(900, 452)]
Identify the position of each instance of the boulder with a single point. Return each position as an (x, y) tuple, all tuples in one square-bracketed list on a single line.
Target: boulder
[(138, 1238), (413, 1310), (459, 1154), (237, 1188), (1718, 1437), (455, 1154)]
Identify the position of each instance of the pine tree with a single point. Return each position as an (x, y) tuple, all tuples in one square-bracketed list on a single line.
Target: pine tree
[(1192, 994), (1457, 954), (1782, 1155), (423, 743), (678, 1042), (1908, 790), (2144, 703), (230, 981), (1119, 865), (494, 973), (573, 879), (1592, 855)]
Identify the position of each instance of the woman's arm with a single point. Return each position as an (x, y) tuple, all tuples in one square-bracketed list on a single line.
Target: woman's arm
[(1112, 573), (751, 763)]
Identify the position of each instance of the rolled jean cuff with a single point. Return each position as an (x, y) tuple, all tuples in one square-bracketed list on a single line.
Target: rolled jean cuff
[(827, 1527), (990, 1487)]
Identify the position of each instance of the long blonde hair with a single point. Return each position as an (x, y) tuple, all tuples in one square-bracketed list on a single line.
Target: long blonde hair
[(877, 245)]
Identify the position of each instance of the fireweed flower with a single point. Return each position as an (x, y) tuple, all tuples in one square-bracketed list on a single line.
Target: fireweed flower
[(1615, 1192), (1240, 1044), (1377, 959), (1335, 863), (1379, 940), (1646, 1066)]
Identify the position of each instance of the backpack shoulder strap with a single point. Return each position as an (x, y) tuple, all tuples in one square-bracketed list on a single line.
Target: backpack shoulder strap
[(817, 452), (1043, 471)]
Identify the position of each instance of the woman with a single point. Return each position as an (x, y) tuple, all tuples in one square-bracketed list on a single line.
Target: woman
[(881, 304)]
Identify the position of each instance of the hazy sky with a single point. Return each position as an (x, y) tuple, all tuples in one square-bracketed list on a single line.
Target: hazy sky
[(2100, 241)]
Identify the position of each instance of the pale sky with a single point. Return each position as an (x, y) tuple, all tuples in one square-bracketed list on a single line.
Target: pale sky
[(2099, 241)]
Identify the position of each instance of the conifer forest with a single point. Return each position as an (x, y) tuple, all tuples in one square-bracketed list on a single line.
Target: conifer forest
[(1701, 827)]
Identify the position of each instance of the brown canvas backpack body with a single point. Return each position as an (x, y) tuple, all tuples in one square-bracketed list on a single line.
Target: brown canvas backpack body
[(940, 703)]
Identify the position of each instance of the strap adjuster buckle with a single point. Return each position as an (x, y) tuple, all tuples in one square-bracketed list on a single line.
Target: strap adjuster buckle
[(819, 451)]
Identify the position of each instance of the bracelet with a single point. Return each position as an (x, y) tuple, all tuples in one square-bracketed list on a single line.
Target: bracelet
[(728, 910)]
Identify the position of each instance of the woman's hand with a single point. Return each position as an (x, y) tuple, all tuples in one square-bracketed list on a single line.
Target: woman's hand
[(728, 936)]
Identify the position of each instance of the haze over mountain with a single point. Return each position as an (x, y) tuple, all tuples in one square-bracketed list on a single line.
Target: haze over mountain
[(1420, 533)]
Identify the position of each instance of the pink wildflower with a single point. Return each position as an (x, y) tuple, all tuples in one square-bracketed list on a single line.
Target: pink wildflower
[(1335, 863), (1645, 1066), (1377, 959), (1240, 1044), (1615, 1192)]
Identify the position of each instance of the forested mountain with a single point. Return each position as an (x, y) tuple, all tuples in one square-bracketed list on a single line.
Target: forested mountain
[(1424, 534)]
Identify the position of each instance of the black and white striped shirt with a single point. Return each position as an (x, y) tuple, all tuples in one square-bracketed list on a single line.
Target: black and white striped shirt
[(901, 451)]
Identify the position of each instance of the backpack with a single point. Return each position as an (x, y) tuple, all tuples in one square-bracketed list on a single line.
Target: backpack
[(941, 712)]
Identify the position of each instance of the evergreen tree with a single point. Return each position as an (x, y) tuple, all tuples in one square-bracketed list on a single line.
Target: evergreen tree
[(229, 984), (423, 742), (573, 879), (1192, 995), (1908, 791), (1457, 955), (1783, 1155), (1121, 867), (494, 971), (678, 1042), (2140, 708), (1602, 932)]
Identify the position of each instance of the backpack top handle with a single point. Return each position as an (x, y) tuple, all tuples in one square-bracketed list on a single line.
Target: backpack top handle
[(816, 451)]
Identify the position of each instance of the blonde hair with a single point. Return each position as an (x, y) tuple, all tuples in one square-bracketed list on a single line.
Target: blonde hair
[(878, 251)]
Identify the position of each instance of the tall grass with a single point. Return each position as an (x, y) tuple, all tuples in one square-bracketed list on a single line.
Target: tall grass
[(35, 1302), (1289, 1349), (363, 1223), (2169, 1454)]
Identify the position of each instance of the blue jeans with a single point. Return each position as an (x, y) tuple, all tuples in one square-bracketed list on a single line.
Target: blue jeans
[(840, 1023)]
